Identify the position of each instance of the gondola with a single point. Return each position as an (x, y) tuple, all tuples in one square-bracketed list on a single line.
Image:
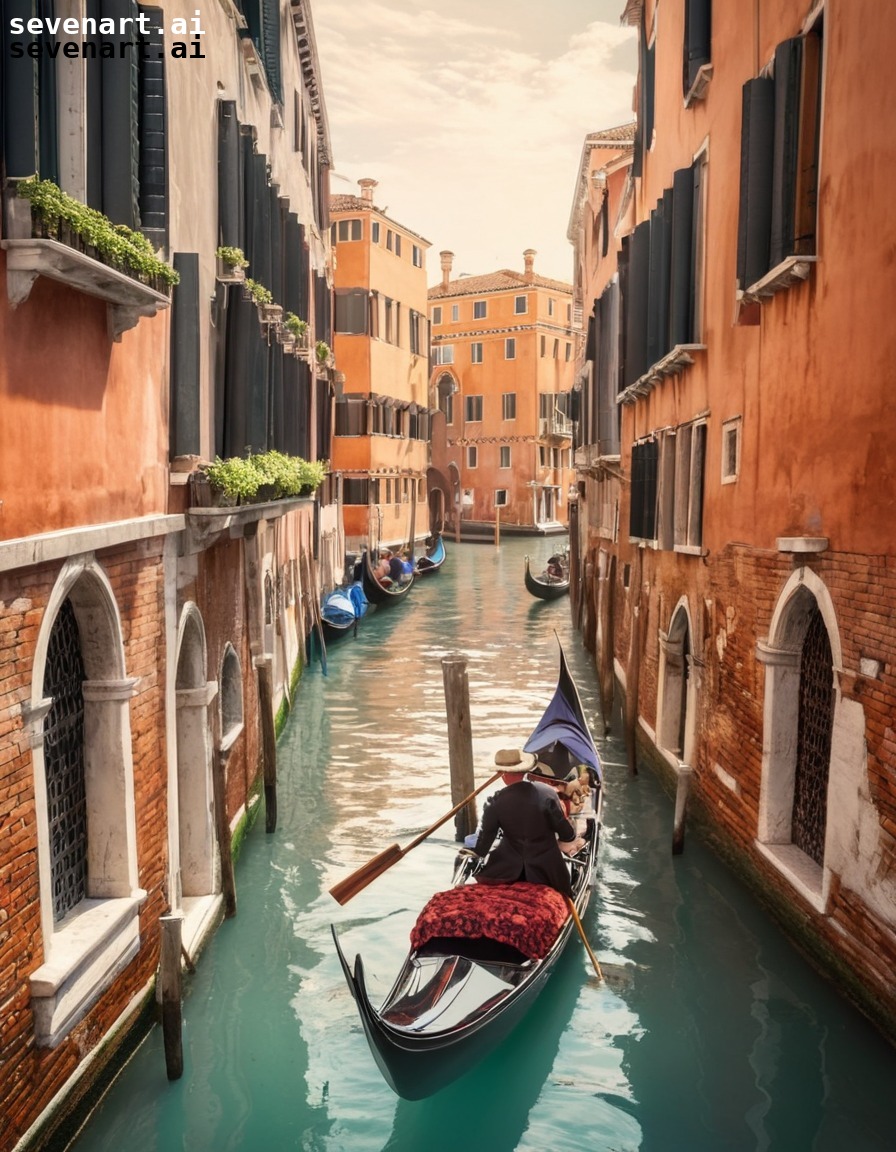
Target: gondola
[(481, 954), (433, 560), (341, 611), (380, 594), (547, 587)]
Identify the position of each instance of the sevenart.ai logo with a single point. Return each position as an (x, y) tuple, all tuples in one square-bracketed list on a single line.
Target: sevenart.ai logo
[(105, 39)]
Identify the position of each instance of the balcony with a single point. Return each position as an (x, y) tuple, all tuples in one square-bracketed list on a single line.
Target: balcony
[(32, 252), (555, 427)]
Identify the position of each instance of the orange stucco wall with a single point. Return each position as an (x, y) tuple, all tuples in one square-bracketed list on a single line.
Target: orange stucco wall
[(83, 435)]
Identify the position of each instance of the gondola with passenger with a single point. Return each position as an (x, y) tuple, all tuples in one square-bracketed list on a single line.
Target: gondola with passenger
[(553, 581), (433, 560), (386, 591), (481, 953)]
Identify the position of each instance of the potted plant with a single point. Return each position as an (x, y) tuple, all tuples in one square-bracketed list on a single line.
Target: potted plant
[(322, 352), (235, 480), (298, 328), (231, 264), (256, 292)]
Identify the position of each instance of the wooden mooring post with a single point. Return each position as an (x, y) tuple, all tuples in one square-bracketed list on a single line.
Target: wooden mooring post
[(171, 994), (682, 788), (460, 741)]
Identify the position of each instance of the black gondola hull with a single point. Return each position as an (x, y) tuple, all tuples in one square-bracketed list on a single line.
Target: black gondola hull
[(375, 592)]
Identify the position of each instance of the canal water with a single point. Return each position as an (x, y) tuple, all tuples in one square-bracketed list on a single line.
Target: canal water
[(709, 1034)]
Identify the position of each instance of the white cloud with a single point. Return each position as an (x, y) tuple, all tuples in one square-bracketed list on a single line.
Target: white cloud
[(473, 134)]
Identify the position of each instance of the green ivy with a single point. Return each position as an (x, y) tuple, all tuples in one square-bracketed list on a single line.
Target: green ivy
[(117, 244)]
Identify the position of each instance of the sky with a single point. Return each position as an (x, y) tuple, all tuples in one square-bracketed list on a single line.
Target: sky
[(471, 115)]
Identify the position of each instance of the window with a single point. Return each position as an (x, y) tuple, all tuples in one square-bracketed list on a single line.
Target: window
[(351, 311), (568, 351), (510, 348), (697, 43), (397, 244), (550, 306), (472, 456), (731, 450), (447, 406), (504, 456), (500, 497), (476, 353), (544, 345), (642, 513), (556, 349), (480, 309), (351, 416), (417, 255), (348, 230), (437, 314), (375, 231), (417, 331), (472, 408), (779, 160), (520, 305), (443, 354), (690, 455), (508, 406), (390, 328)]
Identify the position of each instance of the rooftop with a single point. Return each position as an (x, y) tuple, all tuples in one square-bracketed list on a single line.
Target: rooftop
[(503, 281)]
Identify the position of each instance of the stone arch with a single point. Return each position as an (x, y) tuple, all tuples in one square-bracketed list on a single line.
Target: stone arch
[(803, 595), (676, 698), (104, 927), (196, 870)]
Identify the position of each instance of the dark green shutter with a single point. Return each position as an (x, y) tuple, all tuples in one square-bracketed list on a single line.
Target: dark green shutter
[(756, 164), (153, 134), (184, 430), (788, 75)]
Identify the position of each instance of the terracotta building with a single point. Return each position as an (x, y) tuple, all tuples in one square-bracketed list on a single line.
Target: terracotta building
[(739, 575), (381, 334), (503, 360), (146, 639)]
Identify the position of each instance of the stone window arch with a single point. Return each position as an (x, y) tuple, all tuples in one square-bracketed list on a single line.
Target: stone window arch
[(231, 698), (94, 932), (802, 657), (676, 705), (194, 856)]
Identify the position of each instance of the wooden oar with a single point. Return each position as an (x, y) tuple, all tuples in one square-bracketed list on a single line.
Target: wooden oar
[(367, 873), (588, 949)]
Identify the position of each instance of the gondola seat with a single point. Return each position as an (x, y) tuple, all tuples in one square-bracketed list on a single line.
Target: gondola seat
[(523, 916)]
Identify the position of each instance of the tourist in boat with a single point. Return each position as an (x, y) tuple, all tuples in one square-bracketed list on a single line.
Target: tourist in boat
[(533, 826)]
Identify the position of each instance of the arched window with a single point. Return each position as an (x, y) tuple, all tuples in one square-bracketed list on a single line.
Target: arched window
[(231, 697)]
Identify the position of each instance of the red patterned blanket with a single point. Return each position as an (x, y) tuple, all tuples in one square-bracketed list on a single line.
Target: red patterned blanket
[(525, 916)]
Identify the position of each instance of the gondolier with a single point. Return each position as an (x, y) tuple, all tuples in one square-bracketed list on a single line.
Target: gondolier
[(532, 824)]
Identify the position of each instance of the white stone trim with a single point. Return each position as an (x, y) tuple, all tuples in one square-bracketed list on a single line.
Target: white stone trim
[(45, 547)]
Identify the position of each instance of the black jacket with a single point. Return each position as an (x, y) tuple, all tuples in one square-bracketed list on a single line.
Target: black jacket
[(531, 819)]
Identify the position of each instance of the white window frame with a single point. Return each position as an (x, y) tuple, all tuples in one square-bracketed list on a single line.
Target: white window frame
[(476, 352), (517, 301), (472, 456), (480, 309), (510, 348), (455, 313), (501, 500), (690, 476), (437, 315), (731, 438), (504, 454)]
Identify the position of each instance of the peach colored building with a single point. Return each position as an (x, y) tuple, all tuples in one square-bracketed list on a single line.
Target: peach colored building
[(146, 639), (741, 575), (503, 360), (381, 341)]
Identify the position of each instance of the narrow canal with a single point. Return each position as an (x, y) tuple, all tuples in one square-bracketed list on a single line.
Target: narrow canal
[(711, 1034)]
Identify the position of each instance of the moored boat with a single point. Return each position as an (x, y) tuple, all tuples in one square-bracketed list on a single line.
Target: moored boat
[(433, 560), (552, 583), (481, 954), (342, 610)]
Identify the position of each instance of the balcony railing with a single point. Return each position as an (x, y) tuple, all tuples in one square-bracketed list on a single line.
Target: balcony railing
[(557, 425)]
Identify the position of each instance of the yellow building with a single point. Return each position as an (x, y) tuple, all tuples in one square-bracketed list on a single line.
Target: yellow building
[(381, 345), (503, 362)]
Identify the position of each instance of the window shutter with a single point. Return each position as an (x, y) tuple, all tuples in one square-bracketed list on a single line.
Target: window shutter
[(48, 138), (270, 47), (230, 178), (636, 305), (120, 122), (658, 287), (756, 159), (681, 286), (153, 145), (788, 72), (20, 91), (184, 431)]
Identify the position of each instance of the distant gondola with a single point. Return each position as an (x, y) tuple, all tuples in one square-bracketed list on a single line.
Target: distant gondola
[(382, 594), (547, 586), (480, 954), (433, 560)]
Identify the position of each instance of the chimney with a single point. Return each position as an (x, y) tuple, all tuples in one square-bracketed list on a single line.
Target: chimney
[(367, 187), (447, 258), (529, 260)]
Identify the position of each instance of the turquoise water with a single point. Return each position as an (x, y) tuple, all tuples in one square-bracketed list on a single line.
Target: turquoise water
[(710, 1033)]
